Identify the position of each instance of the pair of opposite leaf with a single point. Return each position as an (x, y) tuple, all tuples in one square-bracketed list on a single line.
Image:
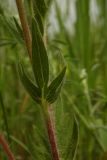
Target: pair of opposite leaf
[(41, 90)]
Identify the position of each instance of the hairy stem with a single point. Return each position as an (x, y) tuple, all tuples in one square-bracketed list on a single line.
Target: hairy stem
[(51, 132), (52, 139), (6, 148), (25, 27)]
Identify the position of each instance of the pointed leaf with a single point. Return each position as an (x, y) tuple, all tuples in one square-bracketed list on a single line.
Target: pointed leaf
[(39, 14), (67, 138), (75, 140), (40, 23), (39, 57), (29, 86), (71, 151), (55, 87), (54, 95), (18, 27), (40, 6)]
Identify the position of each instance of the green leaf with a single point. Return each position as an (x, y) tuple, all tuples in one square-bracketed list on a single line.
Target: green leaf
[(40, 7), (10, 28), (73, 143), (29, 86), (18, 27), (40, 23), (55, 87), (101, 133), (39, 57), (39, 13), (67, 138)]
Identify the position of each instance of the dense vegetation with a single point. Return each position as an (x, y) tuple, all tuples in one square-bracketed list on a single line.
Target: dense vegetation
[(78, 107)]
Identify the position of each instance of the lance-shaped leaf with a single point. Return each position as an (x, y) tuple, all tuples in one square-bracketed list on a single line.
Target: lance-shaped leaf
[(53, 95), (74, 142), (40, 22), (55, 87), (39, 57), (18, 27), (40, 7), (38, 17), (29, 86), (71, 148)]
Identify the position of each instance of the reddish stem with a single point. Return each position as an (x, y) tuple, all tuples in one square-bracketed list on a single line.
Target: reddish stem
[(25, 26), (6, 148), (52, 138)]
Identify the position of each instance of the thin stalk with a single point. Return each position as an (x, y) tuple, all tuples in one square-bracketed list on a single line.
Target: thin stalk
[(4, 116), (6, 148), (52, 139), (51, 134), (25, 27)]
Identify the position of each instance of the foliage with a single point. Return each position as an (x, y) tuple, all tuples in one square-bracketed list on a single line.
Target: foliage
[(83, 98)]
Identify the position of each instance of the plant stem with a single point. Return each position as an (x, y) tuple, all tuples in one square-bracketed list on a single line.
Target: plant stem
[(6, 148), (50, 131), (25, 27), (52, 139)]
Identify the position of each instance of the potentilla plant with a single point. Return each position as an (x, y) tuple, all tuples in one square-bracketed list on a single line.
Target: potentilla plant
[(59, 140), (43, 92)]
